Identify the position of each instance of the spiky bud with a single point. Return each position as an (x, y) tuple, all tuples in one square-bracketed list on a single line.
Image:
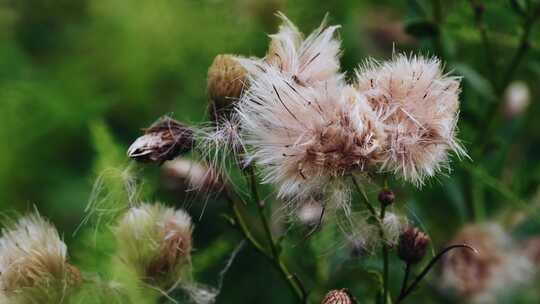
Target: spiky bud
[(155, 241), (386, 197), (226, 80), (339, 296), (412, 245), (164, 140)]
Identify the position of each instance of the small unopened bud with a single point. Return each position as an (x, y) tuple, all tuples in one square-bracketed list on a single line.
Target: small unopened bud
[(386, 197), (155, 241), (339, 296), (516, 99), (226, 80), (164, 140), (412, 245)]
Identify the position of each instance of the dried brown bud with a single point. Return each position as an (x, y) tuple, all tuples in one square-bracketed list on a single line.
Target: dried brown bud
[(226, 80), (164, 140), (339, 296), (386, 197), (412, 245)]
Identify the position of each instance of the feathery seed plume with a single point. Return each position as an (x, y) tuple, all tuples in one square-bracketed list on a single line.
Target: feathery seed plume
[(33, 263), (419, 106), (484, 276)]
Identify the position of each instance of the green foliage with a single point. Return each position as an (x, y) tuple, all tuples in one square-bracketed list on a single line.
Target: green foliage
[(79, 79)]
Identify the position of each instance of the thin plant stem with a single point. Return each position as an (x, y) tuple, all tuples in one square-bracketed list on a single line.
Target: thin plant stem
[(293, 280), (478, 11), (386, 272), (405, 279), (524, 46), (429, 266), (244, 229), (379, 220)]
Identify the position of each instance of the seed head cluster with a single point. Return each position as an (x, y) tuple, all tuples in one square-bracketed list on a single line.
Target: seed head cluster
[(307, 127)]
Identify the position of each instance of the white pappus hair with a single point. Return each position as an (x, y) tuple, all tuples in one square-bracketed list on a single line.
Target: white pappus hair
[(419, 106), (304, 137), (33, 263), (308, 61)]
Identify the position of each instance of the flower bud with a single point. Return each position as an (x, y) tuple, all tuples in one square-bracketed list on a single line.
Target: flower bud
[(164, 140), (226, 80), (412, 245), (33, 264), (386, 197), (339, 296), (155, 241)]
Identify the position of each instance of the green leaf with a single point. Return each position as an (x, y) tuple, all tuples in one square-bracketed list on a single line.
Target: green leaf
[(477, 82)]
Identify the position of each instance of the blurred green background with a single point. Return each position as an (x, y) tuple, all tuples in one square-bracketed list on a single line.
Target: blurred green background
[(78, 79)]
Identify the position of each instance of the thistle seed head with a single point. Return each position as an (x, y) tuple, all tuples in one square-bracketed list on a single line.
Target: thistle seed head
[(33, 263), (419, 108)]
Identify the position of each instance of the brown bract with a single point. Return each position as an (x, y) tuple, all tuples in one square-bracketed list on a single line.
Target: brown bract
[(412, 245), (164, 140)]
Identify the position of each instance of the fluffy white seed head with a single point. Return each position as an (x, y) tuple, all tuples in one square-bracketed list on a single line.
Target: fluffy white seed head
[(308, 61), (419, 106), (305, 137), (487, 274), (33, 263), (155, 241)]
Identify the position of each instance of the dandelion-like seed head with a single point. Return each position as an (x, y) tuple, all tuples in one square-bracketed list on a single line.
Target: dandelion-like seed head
[(419, 107), (305, 137), (482, 276), (156, 241), (310, 61), (33, 263)]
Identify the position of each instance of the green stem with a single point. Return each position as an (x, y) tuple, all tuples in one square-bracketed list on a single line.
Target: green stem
[(405, 279), (426, 270), (294, 282), (379, 220), (386, 272)]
